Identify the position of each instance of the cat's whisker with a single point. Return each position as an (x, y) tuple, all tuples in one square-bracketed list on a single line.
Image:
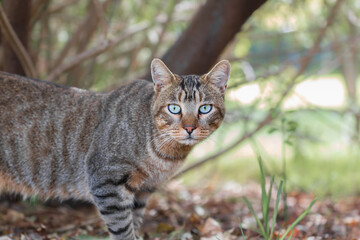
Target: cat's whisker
[(157, 136), (166, 142)]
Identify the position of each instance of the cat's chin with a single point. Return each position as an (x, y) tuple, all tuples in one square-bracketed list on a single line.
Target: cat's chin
[(189, 141)]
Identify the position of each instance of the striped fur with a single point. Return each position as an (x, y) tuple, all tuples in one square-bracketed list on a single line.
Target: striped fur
[(113, 149)]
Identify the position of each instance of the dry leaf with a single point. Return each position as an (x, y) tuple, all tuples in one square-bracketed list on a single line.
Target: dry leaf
[(165, 227), (13, 216), (195, 219), (210, 228)]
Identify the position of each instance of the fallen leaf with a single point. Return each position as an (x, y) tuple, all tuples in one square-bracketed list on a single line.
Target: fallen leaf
[(164, 227), (352, 221), (13, 216), (195, 219), (295, 233), (210, 228)]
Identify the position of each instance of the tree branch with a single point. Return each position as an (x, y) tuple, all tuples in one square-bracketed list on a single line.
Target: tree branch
[(83, 32), (72, 41), (17, 46), (101, 47), (169, 16), (38, 10), (212, 28)]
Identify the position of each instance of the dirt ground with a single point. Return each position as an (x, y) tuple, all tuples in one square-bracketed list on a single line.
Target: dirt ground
[(177, 212)]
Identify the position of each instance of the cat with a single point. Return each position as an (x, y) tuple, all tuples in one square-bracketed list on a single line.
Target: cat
[(112, 149)]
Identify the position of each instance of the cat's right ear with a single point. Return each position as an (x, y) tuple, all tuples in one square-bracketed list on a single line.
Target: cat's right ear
[(219, 75), (161, 75)]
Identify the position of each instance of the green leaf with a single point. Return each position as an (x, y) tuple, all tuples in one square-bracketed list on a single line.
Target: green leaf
[(298, 219), (288, 142), (292, 126), (272, 130)]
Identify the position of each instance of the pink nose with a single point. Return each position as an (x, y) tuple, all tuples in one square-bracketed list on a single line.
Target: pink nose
[(189, 128)]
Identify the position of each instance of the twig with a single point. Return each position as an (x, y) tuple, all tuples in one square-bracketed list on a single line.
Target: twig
[(270, 116), (91, 26), (38, 10), (101, 47), (84, 31), (72, 41), (17, 46), (169, 16)]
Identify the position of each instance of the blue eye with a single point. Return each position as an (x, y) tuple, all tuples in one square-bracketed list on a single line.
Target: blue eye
[(174, 109), (204, 109)]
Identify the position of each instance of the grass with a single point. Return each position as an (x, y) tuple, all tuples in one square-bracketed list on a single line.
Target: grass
[(265, 229)]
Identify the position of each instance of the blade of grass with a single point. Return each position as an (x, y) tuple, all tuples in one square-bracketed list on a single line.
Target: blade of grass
[(277, 201), (290, 237), (256, 230), (241, 229), (298, 219), (267, 207), (263, 192), (247, 202)]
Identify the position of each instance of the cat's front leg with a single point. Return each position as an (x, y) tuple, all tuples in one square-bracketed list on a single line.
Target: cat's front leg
[(139, 208), (115, 204)]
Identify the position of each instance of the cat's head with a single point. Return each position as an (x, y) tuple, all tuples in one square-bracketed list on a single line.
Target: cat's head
[(189, 108)]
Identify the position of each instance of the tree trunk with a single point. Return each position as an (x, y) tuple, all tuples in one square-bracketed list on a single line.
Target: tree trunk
[(213, 27), (19, 14)]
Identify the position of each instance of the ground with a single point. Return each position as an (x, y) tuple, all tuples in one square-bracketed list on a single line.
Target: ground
[(177, 212)]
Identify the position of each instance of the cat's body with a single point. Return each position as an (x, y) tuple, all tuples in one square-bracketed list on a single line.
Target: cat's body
[(46, 131), (113, 149)]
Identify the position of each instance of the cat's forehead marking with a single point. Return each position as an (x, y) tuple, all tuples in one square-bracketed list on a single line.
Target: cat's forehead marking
[(190, 84)]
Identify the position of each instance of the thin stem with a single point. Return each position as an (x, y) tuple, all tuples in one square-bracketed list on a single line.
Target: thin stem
[(283, 156)]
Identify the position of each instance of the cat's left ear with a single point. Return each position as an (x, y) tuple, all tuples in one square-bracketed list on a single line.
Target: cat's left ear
[(160, 74), (219, 75)]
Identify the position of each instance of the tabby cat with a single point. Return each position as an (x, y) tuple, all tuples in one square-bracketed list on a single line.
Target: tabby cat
[(112, 149)]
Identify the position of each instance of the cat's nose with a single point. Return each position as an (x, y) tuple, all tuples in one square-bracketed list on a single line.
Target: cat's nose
[(189, 128)]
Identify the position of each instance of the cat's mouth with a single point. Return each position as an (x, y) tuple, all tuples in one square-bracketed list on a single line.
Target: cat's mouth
[(189, 141)]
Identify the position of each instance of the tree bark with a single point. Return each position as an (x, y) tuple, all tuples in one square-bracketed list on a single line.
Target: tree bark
[(19, 15), (213, 27)]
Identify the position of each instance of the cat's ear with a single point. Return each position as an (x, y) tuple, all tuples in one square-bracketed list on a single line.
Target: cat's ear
[(161, 75), (219, 75)]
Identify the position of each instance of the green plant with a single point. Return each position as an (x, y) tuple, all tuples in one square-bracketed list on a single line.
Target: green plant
[(287, 129), (264, 228)]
